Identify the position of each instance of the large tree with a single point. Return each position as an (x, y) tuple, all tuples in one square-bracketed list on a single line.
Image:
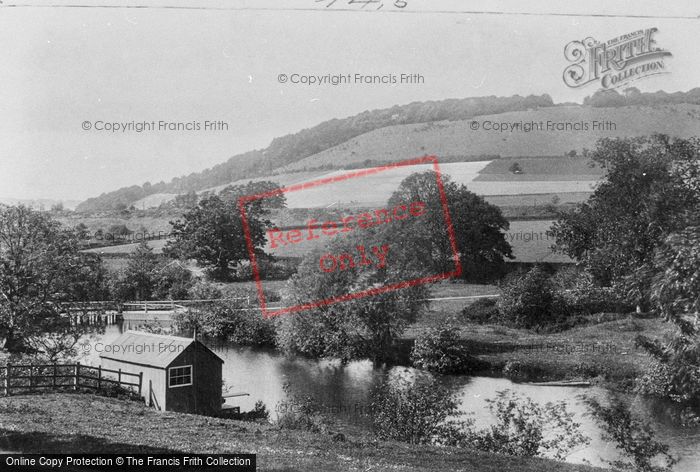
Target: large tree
[(212, 232), (646, 195), (41, 268), (478, 227)]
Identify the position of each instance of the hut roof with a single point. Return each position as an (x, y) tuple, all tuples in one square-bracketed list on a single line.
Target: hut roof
[(148, 349)]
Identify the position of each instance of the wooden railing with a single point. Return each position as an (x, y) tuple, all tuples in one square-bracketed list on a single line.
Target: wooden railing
[(31, 378)]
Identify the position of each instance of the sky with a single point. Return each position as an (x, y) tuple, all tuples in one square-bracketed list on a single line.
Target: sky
[(63, 67)]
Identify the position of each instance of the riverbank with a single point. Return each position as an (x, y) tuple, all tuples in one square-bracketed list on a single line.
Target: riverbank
[(85, 423), (603, 351)]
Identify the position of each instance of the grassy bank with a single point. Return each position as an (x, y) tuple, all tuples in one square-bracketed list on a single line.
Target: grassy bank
[(83, 423), (603, 351)]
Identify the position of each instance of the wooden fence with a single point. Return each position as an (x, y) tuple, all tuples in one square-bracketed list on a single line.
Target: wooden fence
[(31, 378)]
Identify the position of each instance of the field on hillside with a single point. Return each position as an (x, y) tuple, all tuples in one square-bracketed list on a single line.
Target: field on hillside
[(536, 200), (450, 138), (544, 165), (374, 190), (137, 224), (124, 249)]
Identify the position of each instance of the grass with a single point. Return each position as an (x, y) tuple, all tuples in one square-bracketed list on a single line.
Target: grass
[(449, 138), (548, 168), (602, 351), (536, 200), (83, 423)]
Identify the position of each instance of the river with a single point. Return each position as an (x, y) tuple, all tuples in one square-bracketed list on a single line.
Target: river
[(343, 390)]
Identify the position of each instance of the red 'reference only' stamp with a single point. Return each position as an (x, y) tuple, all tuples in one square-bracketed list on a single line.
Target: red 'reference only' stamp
[(322, 231)]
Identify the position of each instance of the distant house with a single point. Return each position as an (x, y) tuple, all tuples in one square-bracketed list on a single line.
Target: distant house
[(179, 374)]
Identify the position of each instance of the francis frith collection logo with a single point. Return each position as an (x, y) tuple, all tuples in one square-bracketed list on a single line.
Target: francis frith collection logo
[(615, 62)]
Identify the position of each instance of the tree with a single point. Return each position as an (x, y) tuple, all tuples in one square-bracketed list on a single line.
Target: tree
[(354, 329), (172, 282), (118, 231), (515, 168), (478, 228), (527, 301), (138, 279), (40, 268), (642, 199), (212, 232)]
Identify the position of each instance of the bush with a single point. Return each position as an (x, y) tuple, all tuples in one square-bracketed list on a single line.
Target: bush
[(301, 413), (527, 429), (417, 412), (519, 371), (577, 295), (202, 290), (440, 350), (527, 301), (268, 269), (632, 436), (483, 310), (230, 320), (676, 378), (259, 412)]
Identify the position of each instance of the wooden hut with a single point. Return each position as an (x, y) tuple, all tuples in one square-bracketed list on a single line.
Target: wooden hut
[(179, 374)]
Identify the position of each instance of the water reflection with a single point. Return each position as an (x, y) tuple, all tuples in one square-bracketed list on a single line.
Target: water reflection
[(344, 391)]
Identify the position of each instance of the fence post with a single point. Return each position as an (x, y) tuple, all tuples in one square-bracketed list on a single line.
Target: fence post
[(140, 381), (119, 378), (77, 375), (54, 375), (99, 377), (31, 377), (7, 380)]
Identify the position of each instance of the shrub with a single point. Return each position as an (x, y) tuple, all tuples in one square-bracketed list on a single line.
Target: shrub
[(483, 310), (268, 269), (202, 290), (440, 350), (632, 436), (418, 412), (527, 300), (525, 371), (676, 378), (525, 428), (229, 320), (577, 295), (259, 412), (301, 413)]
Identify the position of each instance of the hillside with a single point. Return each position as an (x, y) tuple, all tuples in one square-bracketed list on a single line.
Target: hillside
[(442, 128), (449, 138), (75, 423), (307, 142)]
